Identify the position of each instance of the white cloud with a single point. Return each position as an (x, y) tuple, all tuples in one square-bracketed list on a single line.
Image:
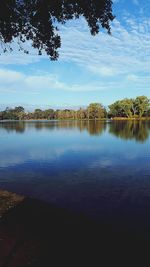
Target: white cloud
[(16, 58), (126, 50), (46, 80), (13, 81), (103, 71), (121, 60), (9, 77)]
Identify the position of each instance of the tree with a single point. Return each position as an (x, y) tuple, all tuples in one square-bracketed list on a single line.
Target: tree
[(16, 113), (18, 109), (81, 114), (10, 114), (1, 115), (130, 107), (38, 113), (37, 21), (142, 104), (126, 106), (95, 111), (115, 110), (48, 114), (19, 112)]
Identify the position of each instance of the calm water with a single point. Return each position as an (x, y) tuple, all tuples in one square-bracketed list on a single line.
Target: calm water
[(92, 167)]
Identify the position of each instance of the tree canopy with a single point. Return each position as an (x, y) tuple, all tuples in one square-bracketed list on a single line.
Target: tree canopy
[(130, 107), (37, 21)]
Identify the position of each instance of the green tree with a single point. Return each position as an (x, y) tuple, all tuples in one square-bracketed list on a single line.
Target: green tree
[(38, 114), (115, 110), (19, 109), (81, 114), (20, 112), (130, 107), (142, 104), (48, 114), (10, 114), (1, 115), (95, 111), (126, 106)]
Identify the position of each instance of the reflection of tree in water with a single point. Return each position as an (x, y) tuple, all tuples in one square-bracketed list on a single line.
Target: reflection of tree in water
[(96, 127), (93, 127), (54, 125), (138, 130), (18, 127)]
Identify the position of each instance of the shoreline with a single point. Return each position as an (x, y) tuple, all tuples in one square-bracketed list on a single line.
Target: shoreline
[(103, 119)]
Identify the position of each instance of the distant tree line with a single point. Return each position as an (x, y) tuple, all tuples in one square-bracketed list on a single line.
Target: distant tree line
[(125, 108), (93, 111)]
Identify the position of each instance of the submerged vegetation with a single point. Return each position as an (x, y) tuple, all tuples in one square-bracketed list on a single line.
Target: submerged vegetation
[(137, 108)]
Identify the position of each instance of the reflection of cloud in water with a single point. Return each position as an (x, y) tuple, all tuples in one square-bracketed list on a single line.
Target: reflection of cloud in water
[(102, 163), (130, 155), (98, 152), (44, 155), (11, 160)]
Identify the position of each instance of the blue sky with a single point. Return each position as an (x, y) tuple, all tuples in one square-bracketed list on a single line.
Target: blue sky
[(90, 69)]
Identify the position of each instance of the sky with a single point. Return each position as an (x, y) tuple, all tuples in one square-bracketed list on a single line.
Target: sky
[(90, 69)]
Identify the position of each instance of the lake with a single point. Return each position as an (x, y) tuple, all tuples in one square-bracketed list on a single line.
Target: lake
[(99, 169)]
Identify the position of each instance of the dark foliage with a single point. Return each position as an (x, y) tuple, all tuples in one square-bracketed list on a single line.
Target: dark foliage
[(36, 21)]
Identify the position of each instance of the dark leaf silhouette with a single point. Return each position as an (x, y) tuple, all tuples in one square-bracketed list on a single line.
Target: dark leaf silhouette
[(38, 20)]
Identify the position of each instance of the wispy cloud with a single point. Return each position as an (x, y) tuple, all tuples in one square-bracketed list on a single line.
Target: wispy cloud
[(121, 60), (14, 81), (126, 51)]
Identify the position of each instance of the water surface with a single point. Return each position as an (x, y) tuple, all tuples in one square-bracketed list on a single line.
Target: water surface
[(95, 168)]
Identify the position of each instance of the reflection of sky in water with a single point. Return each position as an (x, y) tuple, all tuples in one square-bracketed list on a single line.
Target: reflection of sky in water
[(73, 164)]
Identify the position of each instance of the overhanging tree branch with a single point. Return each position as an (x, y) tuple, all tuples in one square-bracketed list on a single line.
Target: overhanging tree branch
[(35, 20)]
